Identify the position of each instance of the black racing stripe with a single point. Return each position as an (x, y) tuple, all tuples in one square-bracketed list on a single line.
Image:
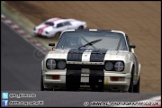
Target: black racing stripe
[(96, 79), (75, 55), (73, 79), (80, 66), (98, 55)]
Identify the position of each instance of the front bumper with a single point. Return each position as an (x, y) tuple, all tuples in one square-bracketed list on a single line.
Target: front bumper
[(85, 80), (43, 34)]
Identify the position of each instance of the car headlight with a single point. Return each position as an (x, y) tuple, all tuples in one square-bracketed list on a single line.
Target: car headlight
[(51, 64), (61, 64), (108, 66), (119, 66), (46, 32)]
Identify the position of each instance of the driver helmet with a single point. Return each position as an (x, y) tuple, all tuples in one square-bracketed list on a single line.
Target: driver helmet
[(75, 41)]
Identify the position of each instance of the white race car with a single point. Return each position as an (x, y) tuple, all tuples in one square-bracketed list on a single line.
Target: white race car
[(54, 26), (96, 59)]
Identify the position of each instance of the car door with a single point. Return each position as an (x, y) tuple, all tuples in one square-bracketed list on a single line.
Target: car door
[(61, 27), (68, 25)]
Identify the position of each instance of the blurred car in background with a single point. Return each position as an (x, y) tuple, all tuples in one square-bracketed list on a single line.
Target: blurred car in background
[(54, 26), (96, 59)]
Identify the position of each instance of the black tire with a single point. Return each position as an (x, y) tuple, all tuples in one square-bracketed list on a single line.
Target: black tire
[(131, 87), (57, 34), (42, 87), (136, 88), (40, 36), (80, 27)]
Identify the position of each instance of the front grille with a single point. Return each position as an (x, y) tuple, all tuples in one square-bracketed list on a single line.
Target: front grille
[(80, 66)]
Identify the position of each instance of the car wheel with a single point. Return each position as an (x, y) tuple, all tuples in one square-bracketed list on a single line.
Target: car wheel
[(131, 87), (80, 27), (42, 88), (57, 34), (136, 88)]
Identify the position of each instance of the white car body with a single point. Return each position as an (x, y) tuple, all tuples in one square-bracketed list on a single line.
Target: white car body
[(51, 30), (91, 63)]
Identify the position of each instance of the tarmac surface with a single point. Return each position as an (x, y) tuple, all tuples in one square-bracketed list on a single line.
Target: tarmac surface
[(20, 69)]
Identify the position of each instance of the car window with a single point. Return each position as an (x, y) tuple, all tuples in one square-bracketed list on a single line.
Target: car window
[(128, 41), (109, 40), (67, 23), (49, 23), (59, 25)]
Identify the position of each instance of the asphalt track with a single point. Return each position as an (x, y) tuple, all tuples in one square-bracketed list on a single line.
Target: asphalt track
[(20, 69), (20, 72)]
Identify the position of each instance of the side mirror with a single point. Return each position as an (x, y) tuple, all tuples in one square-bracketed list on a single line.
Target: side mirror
[(51, 44), (132, 46)]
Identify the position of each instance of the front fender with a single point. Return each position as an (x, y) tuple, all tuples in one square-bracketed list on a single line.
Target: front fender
[(139, 71), (42, 65)]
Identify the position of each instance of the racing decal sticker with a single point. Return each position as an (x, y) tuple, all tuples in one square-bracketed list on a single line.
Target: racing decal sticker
[(75, 55), (41, 29), (84, 76), (96, 79), (98, 55), (86, 56), (73, 79)]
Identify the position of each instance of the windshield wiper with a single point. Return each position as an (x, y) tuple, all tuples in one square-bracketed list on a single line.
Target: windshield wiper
[(90, 43)]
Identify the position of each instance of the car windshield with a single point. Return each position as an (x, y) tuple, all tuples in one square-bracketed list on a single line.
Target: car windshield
[(49, 23), (92, 40)]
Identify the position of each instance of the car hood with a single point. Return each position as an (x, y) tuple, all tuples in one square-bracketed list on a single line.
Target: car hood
[(99, 55), (44, 27)]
